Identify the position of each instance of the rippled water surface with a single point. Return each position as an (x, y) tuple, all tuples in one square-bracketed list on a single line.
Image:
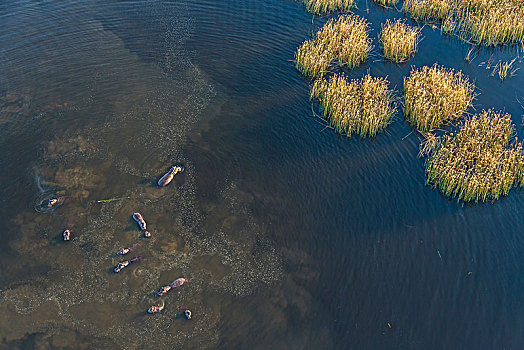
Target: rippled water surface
[(291, 236)]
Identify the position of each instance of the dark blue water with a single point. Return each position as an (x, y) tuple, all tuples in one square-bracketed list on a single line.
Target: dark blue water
[(292, 237)]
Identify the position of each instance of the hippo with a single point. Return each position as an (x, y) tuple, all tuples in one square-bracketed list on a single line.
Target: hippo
[(169, 176), (125, 264), (154, 309), (55, 201), (140, 220), (187, 313), (127, 250), (163, 290), (178, 282)]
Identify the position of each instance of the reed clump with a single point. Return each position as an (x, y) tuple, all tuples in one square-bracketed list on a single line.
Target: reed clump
[(480, 162), (327, 6), (428, 10), (344, 39), (487, 22), (436, 95), (386, 2), (492, 22), (399, 40), (360, 106)]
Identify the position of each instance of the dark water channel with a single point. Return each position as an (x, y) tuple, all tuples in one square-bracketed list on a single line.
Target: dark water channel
[(292, 237)]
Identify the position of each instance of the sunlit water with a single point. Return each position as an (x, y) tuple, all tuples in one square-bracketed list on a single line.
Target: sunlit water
[(292, 237)]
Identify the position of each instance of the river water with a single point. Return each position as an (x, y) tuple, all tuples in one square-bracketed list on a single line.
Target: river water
[(291, 236)]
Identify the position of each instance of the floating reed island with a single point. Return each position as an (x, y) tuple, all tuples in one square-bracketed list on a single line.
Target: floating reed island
[(399, 40), (344, 39), (436, 95), (487, 22), (360, 106), (327, 6), (480, 162)]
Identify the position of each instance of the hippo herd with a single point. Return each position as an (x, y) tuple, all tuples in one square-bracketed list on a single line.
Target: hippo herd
[(162, 182)]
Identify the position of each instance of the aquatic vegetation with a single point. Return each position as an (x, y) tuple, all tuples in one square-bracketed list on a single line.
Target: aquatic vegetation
[(327, 6), (14, 105), (492, 22), (428, 10), (478, 163), (431, 141), (345, 39), (505, 69), (76, 181), (399, 40), (62, 148), (361, 106), (487, 22), (436, 95), (386, 2)]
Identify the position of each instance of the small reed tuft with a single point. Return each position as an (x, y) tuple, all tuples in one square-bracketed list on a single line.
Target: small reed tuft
[(435, 95), (360, 106), (478, 163), (345, 39), (327, 6), (431, 141), (399, 40)]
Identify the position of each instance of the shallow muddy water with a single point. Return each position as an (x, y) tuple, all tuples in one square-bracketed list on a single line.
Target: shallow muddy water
[(291, 236)]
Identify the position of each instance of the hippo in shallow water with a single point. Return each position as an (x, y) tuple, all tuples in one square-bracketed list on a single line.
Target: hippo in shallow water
[(187, 313), (125, 264), (163, 290), (178, 282), (55, 201), (127, 250), (140, 220), (169, 176), (154, 309)]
